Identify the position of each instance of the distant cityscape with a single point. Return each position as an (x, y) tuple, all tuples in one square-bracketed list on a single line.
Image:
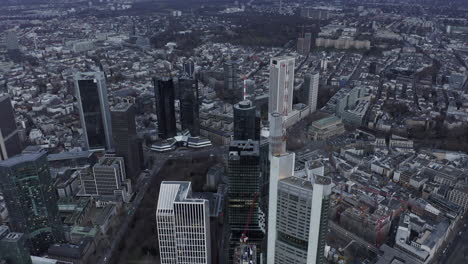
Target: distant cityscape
[(244, 132)]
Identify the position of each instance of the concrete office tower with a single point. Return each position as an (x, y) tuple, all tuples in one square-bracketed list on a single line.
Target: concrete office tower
[(310, 90), (244, 192), (183, 225), (93, 106), (165, 110), (231, 76), (31, 199), (13, 247), (281, 85), (110, 180), (246, 121), (301, 233), (10, 144), (189, 106), (126, 141), (303, 44)]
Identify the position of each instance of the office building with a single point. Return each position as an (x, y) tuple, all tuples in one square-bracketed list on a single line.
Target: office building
[(189, 68), (281, 85), (281, 167), (93, 106), (31, 199), (302, 219), (11, 41), (246, 121), (231, 76), (189, 106), (107, 180), (13, 247), (165, 110), (303, 44), (183, 225), (244, 192), (310, 90), (10, 144), (126, 141)]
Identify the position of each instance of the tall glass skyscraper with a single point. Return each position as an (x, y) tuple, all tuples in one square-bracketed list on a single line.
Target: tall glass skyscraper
[(189, 108), (13, 247), (301, 217), (244, 192), (126, 142), (91, 92), (31, 199), (10, 144), (246, 121), (165, 110), (183, 225)]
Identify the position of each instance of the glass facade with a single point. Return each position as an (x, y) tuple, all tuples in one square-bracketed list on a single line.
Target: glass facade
[(8, 129), (165, 110), (125, 138), (92, 113), (31, 199), (189, 108), (13, 247)]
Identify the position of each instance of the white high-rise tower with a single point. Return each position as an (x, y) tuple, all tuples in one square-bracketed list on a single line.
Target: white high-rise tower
[(281, 85), (183, 225)]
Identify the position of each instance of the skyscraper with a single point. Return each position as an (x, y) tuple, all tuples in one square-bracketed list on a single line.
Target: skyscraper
[(10, 144), (31, 199), (301, 232), (231, 76), (244, 192), (12, 41), (189, 107), (310, 90), (281, 85), (246, 121), (93, 105), (164, 93), (281, 167), (125, 137), (183, 225), (13, 247), (189, 68)]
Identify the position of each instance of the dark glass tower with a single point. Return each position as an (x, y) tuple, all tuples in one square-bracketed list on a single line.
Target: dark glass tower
[(13, 247), (246, 121), (125, 138), (91, 92), (10, 144), (189, 108), (31, 199), (164, 93), (244, 192)]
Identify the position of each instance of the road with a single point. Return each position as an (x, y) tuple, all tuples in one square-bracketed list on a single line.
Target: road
[(351, 236)]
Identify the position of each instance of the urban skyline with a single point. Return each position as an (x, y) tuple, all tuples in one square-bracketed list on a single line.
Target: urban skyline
[(243, 132)]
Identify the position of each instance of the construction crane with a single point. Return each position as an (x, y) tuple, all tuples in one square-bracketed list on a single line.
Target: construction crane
[(244, 237)]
